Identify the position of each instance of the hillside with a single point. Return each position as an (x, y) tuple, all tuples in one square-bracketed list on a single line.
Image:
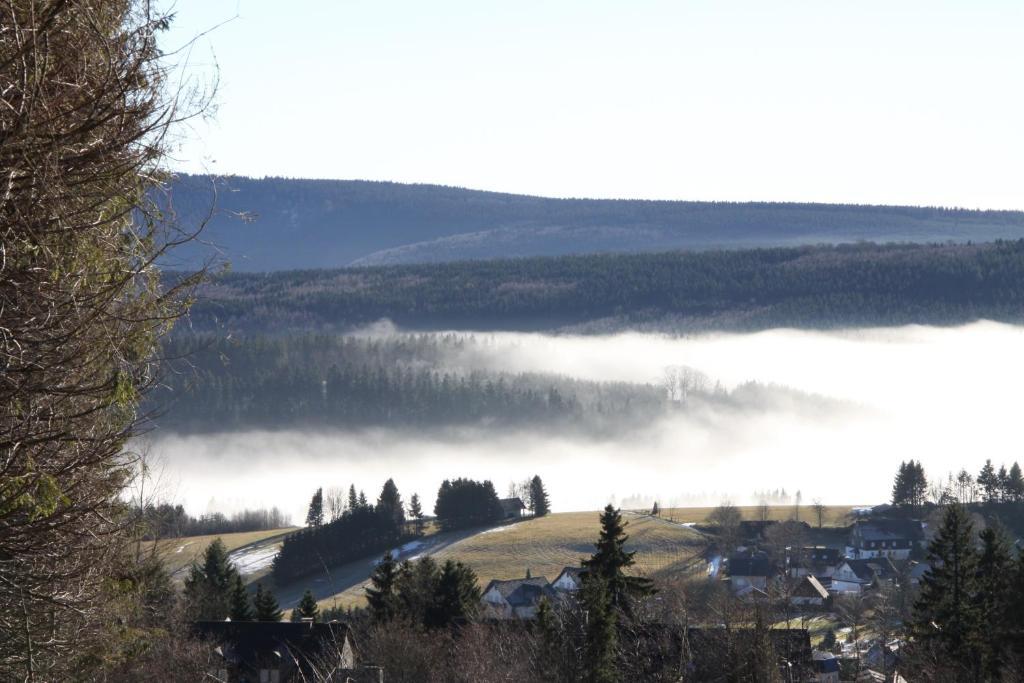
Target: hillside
[(545, 546), (808, 287), (275, 224)]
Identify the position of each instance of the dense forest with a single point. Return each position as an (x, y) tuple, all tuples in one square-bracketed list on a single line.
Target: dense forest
[(272, 224), (849, 285), (346, 381), (413, 380)]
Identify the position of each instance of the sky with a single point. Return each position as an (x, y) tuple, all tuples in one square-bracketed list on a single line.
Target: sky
[(915, 102)]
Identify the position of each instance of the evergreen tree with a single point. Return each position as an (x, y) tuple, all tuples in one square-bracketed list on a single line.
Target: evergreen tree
[(465, 503), (389, 504), (901, 486), (315, 516), (362, 502), (381, 595), (457, 597), (266, 605), (239, 609), (601, 642), (539, 502), (1015, 484), (416, 512), (995, 597), (353, 499), (918, 484), (947, 619), (655, 510), (1004, 483), (416, 586), (208, 586), (611, 559), (1015, 626), (988, 480), (307, 608), (552, 660), (910, 487)]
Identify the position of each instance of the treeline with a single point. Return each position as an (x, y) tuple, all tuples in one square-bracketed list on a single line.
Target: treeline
[(345, 381), (340, 530), (820, 286), (996, 494), (164, 520), (360, 530), (911, 487)]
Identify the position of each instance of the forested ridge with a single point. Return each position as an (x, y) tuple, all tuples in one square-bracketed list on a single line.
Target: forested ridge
[(814, 287), (271, 224), (345, 381)]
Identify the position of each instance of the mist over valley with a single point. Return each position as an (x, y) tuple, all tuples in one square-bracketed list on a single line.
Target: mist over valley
[(718, 416)]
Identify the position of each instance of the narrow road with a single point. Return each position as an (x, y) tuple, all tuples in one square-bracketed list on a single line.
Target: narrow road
[(335, 580)]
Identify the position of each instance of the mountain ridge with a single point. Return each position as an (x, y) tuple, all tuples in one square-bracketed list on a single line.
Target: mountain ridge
[(299, 223)]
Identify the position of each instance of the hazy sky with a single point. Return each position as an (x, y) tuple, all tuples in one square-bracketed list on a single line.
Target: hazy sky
[(874, 101)]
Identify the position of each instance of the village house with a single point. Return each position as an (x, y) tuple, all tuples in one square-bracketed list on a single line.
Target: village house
[(892, 538), (749, 572), (818, 561), (512, 508), (810, 592), (515, 598), (856, 576), (570, 580)]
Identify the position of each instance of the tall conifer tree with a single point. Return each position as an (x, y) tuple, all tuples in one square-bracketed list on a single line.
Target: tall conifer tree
[(947, 617), (611, 559), (539, 497), (315, 515), (240, 608), (266, 605), (208, 586)]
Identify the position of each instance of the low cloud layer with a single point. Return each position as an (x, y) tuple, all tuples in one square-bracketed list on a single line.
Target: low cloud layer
[(947, 396)]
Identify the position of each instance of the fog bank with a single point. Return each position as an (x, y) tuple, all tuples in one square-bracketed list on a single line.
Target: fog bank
[(946, 396)]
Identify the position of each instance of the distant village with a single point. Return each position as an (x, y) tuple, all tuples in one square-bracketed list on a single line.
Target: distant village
[(866, 598)]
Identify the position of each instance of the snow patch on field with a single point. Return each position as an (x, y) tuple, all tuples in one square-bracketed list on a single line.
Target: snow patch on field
[(251, 560)]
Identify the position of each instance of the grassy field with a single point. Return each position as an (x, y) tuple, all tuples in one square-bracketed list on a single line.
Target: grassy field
[(178, 553), (833, 515), (546, 545)]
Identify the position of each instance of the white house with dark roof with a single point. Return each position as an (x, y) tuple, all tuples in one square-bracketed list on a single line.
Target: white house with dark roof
[(515, 598), (570, 580), (855, 576), (752, 572), (819, 561), (892, 538)]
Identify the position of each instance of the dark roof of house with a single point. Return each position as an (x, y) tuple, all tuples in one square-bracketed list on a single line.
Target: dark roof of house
[(810, 587), (512, 504), (520, 592), (821, 554), (889, 530), (246, 642), (749, 566), (872, 568)]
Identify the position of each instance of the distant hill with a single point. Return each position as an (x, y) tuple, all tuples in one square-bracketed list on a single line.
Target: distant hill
[(298, 224)]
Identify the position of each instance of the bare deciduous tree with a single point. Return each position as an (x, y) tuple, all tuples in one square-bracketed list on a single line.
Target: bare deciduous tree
[(84, 116)]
